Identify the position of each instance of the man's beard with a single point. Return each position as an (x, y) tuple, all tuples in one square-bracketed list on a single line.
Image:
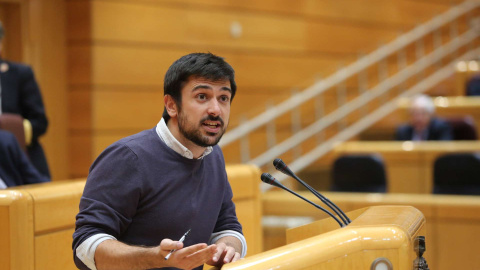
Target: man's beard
[(194, 134)]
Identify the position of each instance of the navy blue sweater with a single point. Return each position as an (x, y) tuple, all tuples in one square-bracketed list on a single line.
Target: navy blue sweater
[(141, 191)]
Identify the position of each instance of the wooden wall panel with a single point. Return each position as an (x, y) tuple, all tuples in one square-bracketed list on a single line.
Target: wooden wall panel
[(10, 16), (134, 67), (126, 110), (81, 156), (392, 13), (79, 72), (139, 23), (52, 251), (119, 51)]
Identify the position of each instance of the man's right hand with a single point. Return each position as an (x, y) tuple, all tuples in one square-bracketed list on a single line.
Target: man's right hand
[(112, 254), (185, 258)]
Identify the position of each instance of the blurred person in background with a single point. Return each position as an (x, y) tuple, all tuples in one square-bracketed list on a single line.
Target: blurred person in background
[(424, 126), (15, 168), (472, 87), (20, 94)]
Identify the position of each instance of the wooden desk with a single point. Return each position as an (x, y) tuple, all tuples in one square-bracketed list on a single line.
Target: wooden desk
[(376, 233), (409, 165), (453, 222), (37, 221)]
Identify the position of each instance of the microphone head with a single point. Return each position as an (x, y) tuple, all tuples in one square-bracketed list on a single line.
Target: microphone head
[(281, 166), (278, 162), (269, 179)]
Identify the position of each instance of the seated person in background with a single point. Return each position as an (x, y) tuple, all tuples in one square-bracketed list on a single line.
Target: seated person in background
[(21, 95), (472, 87), (15, 168), (423, 124)]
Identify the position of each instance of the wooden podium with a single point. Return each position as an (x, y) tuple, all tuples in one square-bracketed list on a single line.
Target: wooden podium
[(379, 237)]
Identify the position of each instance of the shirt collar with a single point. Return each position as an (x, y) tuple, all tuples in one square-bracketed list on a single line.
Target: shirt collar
[(167, 137)]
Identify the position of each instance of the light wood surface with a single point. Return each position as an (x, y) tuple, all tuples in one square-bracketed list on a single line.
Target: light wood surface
[(370, 11), (383, 231), (409, 165), (453, 223), (119, 50), (244, 181), (16, 230), (37, 221)]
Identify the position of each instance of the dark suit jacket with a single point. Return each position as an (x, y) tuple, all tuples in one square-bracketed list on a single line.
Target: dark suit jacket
[(15, 168), (438, 130), (21, 95), (472, 87)]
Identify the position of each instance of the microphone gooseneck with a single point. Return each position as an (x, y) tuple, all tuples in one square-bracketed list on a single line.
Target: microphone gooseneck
[(282, 167), (269, 179)]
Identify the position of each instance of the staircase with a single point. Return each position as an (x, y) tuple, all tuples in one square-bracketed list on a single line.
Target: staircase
[(307, 126)]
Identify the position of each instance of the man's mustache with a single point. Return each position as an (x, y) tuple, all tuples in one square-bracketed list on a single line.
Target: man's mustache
[(212, 118)]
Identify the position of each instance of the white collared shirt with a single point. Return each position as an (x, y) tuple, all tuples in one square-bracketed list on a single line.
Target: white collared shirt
[(2, 184), (86, 250), (172, 142)]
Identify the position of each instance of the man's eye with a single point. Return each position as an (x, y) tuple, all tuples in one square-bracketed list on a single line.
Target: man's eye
[(224, 98), (201, 96)]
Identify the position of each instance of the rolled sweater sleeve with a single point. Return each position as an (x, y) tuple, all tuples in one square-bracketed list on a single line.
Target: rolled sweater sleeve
[(227, 218), (227, 222), (110, 197)]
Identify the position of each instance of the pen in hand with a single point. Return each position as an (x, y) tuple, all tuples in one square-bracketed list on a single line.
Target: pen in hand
[(181, 241)]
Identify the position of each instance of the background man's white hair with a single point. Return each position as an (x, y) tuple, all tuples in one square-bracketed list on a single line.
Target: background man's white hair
[(423, 101)]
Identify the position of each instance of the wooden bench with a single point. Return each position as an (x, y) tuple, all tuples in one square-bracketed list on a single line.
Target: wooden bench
[(37, 221), (453, 223), (409, 165)]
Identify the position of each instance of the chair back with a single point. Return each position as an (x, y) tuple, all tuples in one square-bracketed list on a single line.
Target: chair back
[(472, 87), (359, 173), (14, 124), (463, 127), (457, 174)]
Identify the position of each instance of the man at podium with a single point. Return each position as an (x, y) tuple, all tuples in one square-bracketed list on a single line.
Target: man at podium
[(166, 183)]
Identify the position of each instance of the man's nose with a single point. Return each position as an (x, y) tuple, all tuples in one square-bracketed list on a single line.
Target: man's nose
[(214, 108)]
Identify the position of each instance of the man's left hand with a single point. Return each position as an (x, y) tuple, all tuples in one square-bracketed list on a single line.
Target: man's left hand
[(225, 254)]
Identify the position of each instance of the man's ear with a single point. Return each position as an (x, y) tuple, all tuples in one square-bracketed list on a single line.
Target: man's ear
[(170, 105)]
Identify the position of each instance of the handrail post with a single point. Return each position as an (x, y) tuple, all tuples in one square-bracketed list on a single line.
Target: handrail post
[(419, 54), (271, 129), (319, 113), (244, 144), (383, 75), (402, 64), (437, 43), (454, 34), (341, 100), (362, 78), (469, 22), (296, 124)]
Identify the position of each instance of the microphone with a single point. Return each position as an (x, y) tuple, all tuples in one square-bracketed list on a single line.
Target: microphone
[(282, 167), (269, 179)]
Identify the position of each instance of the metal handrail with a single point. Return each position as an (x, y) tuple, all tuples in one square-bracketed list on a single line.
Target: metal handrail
[(362, 100), (307, 159), (341, 75)]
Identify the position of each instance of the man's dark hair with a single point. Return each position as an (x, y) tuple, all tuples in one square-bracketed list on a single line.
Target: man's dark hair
[(203, 65)]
